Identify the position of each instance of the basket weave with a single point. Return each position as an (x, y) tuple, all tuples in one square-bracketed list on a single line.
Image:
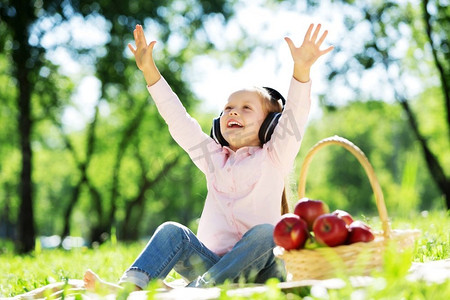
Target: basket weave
[(354, 259)]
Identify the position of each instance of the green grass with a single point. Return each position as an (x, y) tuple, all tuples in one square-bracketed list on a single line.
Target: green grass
[(19, 274)]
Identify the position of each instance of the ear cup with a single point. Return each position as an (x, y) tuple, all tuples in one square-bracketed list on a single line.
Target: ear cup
[(268, 126), (216, 134), (271, 121)]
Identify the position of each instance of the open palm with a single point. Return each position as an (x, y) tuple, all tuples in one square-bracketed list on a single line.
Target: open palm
[(143, 52), (309, 51)]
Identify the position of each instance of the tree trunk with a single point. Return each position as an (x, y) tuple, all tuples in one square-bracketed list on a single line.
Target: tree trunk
[(98, 230), (23, 59), (125, 141), (436, 170), (82, 167), (26, 229), (444, 74), (70, 207), (7, 227), (434, 167), (129, 230)]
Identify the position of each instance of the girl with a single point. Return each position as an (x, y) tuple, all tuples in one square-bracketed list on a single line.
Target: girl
[(252, 148), (245, 163)]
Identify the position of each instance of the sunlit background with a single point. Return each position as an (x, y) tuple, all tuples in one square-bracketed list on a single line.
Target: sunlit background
[(84, 153), (213, 78)]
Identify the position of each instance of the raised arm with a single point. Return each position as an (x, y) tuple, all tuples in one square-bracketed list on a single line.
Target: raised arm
[(144, 56), (307, 54), (184, 129), (288, 134)]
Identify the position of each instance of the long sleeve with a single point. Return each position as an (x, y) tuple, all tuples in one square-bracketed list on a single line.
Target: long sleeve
[(288, 134), (184, 129)]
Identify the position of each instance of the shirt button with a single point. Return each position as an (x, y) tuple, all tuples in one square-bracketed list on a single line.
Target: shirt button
[(229, 204), (228, 169)]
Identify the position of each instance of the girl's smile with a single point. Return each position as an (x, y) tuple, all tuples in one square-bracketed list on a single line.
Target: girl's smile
[(234, 124)]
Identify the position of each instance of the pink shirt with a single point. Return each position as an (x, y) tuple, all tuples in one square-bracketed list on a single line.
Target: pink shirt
[(244, 187)]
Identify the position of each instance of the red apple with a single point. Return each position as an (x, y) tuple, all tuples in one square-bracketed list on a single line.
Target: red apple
[(330, 230), (309, 210), (291, 232), (359, 231), (348, 219)]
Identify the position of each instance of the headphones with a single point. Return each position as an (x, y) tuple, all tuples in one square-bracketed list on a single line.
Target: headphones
[(267, 127)]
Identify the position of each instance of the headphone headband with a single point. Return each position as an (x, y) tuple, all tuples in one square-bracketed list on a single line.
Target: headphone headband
[(275, 95)]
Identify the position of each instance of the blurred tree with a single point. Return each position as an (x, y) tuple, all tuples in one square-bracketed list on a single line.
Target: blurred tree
[(23, 28), (27, 62), (8, 140), (389, 46), (82, 166), (178, 25), (377, 128)]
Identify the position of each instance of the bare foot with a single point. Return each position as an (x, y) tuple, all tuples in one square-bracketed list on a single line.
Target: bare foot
[(93, 283)]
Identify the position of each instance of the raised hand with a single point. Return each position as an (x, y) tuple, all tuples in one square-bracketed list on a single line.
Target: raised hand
[(307, 54), (143, 53)]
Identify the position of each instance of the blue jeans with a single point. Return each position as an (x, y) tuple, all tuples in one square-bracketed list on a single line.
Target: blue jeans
[(174, 246)]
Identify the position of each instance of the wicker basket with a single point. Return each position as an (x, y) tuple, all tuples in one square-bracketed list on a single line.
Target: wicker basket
[(354, 259)]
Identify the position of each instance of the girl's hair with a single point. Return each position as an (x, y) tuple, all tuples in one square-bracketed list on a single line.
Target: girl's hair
[(284, 203), (271, 105), (268, 103)]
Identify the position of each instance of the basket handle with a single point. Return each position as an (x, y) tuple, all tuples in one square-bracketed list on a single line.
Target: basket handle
[(352, 148)]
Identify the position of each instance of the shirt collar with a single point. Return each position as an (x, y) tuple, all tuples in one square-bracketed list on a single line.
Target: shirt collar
[(241, 151)]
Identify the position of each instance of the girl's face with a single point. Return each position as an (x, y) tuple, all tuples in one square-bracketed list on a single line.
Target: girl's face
[(242, 118)]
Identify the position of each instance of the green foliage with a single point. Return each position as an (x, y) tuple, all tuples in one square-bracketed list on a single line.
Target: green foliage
[(377, 129), (108, 173), (125, 145), (432, 122), (9, 168), (391, 47)]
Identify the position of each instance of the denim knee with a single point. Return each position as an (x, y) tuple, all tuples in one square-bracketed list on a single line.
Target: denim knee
[(262, 233), (171, 229)]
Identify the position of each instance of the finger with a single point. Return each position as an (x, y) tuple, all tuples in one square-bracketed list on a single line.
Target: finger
[(152, 45), (135, 34), (132, 49), (322, 38), (141, 29), (139, 37), (329, 49), (290, 43), (308, 33), (316, 33), (136, 37)]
